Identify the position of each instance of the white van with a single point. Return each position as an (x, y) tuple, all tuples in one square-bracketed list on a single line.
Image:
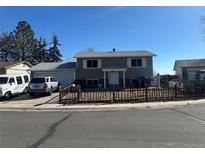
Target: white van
[(13, 84)]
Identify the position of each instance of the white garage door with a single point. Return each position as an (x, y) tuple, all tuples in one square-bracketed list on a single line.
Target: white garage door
[(64, 77)]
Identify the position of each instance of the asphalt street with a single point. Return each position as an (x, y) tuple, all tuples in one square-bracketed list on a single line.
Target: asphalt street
[(144, 128)]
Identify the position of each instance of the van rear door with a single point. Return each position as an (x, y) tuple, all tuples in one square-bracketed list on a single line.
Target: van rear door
[(20, 85), (13, 85)]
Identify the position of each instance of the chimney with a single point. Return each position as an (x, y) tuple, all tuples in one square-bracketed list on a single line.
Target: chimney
[(113, 50)]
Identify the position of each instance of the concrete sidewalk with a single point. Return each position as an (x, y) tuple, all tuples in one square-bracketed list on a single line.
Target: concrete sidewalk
[(96, 107)]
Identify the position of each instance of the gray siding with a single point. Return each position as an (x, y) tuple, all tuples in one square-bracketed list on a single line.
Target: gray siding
[(113, 62), (141, 72)]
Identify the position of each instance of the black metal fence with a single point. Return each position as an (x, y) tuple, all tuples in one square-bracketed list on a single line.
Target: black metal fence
[(67, 95)]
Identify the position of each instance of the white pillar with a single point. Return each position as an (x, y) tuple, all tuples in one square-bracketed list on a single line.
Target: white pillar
[(123, 79), (104, 79)]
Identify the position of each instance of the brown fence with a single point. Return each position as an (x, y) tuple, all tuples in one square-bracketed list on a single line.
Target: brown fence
[(128, 95)]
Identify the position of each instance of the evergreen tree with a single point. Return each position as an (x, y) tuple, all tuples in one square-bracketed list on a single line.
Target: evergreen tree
[(25, 41), (7, 46), (54, 52), (41, 54)]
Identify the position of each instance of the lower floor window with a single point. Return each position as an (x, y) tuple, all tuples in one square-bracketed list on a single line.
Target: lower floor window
[(133, 81), (200, 76), (92, 82)]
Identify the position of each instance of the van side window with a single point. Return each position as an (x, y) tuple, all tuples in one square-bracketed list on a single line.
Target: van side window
[(19, 80), (26, 80), (11, 80), (53, 80)]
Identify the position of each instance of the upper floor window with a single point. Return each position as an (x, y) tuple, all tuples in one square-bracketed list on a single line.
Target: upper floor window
[(92, 63), (136, 62)]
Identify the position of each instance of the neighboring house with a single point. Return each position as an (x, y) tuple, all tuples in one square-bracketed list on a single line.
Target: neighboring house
[(190, 70), (14, 67), (64, 72), (115, 68)]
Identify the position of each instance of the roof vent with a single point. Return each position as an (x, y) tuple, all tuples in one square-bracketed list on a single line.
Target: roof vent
[(113, 50)]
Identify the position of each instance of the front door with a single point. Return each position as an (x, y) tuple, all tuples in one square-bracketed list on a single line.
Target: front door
[(114, 78)]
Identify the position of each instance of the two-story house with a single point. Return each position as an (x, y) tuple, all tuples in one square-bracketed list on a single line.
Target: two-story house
[(114, 68)]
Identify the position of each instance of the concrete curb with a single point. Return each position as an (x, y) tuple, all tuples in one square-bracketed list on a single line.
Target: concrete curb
[(105, 107)]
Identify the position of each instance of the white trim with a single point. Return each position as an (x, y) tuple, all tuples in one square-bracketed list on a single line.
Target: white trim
[(99, 63), (113, 69), (52, 70), (84, 63), (128, 62), (144, 62)]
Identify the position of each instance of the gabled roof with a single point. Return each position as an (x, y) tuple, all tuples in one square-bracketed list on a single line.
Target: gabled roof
[(53, 66), (4, 64), (189, 63), (111, 54)]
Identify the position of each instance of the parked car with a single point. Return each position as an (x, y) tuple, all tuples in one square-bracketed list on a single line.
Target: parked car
[(42, 85), (11, 85)]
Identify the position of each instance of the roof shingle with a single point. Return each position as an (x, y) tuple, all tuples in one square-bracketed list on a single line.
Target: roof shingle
[(4, 64), (189, 63), (53, 66), (111, 54)]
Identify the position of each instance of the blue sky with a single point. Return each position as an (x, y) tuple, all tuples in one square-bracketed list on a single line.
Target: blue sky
[(170, 32)]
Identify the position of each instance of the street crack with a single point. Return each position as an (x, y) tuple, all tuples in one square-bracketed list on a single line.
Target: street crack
[(190, 115), (51, 130)]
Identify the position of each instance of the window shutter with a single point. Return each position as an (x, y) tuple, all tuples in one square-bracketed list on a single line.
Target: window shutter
[(129, 62), (144, 62), (99, 63), (84, 63)]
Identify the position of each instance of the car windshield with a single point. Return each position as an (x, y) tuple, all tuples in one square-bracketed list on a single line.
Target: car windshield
[(38, 80), (3, 80)]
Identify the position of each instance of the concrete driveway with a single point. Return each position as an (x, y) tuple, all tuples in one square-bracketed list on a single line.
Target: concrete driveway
[(26, 100)]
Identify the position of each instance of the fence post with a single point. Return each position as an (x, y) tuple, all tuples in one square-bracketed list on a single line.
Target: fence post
[(146, 93), (194, 91), (204, 91), (59, 93), (175, 90), (113, 95), (78, 95)]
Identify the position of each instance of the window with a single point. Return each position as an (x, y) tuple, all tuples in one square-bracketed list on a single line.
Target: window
[(133, 81), (197, 77), (38, 80), (19, 80), (92, 63), (26, 80), (92, 82), (53, 80), (200, 76), (136, 62), (11, 80), (3, 80)]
